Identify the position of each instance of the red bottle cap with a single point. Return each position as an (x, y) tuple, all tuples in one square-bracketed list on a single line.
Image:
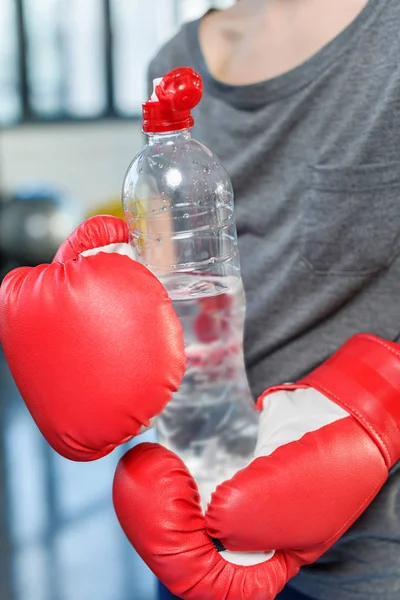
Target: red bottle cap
[(175, 95)]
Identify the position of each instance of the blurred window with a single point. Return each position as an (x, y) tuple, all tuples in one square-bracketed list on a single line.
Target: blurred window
[(68, 59)]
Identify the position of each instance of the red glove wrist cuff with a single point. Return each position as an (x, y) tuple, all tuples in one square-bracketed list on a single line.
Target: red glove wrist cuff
[(363, 377)]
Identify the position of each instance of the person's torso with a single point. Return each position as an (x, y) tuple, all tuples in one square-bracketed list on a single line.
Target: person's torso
[(314, 158)]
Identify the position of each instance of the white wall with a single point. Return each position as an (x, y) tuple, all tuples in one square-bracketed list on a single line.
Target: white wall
[(90, 160)]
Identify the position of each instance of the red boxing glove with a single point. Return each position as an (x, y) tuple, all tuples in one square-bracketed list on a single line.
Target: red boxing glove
[(325, 447), (92, 341)]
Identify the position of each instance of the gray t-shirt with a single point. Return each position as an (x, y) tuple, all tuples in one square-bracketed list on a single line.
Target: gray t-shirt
[(314, 158)]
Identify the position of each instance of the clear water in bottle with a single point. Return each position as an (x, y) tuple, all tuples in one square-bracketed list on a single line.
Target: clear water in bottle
[(211, 422)]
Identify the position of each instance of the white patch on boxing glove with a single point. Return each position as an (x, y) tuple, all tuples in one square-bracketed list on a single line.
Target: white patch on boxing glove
[(289, 414), (246, 559), (122, 248)]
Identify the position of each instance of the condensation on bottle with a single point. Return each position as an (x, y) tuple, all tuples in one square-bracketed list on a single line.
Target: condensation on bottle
[(178, 203)]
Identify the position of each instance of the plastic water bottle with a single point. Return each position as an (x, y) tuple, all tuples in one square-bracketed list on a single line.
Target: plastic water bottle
[(178, 203)]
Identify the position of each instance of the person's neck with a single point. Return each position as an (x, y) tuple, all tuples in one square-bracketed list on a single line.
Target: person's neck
[(260, 39)]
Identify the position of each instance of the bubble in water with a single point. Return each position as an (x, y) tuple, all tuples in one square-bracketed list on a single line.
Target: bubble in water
[(195, 162), (207, 170)]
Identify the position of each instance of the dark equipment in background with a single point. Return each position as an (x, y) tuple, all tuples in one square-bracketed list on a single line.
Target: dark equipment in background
[(34, 221)]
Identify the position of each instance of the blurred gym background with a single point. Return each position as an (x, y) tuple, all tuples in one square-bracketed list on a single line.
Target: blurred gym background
[(72, 79)]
